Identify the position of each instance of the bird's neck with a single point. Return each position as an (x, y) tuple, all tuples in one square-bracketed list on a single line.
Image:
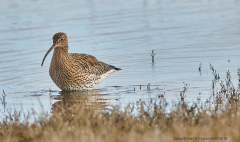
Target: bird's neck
[(60, 54)]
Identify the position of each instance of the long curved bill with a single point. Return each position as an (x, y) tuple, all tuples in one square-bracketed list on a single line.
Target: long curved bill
[(53, 46)]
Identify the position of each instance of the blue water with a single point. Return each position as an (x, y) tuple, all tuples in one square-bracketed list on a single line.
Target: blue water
[(182, 34)]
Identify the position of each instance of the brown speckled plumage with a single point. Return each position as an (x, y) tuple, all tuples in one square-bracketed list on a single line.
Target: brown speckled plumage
[(73, 71)]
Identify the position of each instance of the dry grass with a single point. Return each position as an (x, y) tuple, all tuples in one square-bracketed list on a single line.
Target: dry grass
[(152, 123)]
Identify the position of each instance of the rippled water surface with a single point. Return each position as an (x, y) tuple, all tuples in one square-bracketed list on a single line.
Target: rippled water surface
[(122, 33)]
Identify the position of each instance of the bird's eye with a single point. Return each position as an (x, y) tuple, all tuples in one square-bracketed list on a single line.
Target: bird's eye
[(61, 39)]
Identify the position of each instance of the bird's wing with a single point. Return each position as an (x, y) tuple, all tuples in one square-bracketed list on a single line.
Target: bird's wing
[(89, 64)]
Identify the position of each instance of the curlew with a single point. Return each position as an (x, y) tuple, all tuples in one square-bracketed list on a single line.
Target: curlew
[(74, 71)]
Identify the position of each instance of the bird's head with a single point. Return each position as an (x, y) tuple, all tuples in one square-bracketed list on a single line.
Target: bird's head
[(59, 41)]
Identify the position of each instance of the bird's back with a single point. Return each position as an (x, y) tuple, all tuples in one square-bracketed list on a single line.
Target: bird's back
[(89, 64)]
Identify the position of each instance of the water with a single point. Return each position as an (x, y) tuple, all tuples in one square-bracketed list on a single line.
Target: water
[(121, 33)]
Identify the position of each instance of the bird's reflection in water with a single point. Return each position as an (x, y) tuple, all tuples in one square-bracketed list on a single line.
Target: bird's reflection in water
[(89, 99)]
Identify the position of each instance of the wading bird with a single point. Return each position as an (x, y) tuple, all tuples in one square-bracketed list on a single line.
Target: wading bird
[(74, 71)]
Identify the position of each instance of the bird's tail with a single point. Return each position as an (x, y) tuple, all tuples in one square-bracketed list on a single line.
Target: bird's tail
[(113, 67)]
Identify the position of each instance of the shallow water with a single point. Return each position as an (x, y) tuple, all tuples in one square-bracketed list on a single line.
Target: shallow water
[(121, 33)]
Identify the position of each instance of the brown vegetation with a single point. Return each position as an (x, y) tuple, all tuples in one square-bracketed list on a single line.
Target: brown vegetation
[(150, 123)]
